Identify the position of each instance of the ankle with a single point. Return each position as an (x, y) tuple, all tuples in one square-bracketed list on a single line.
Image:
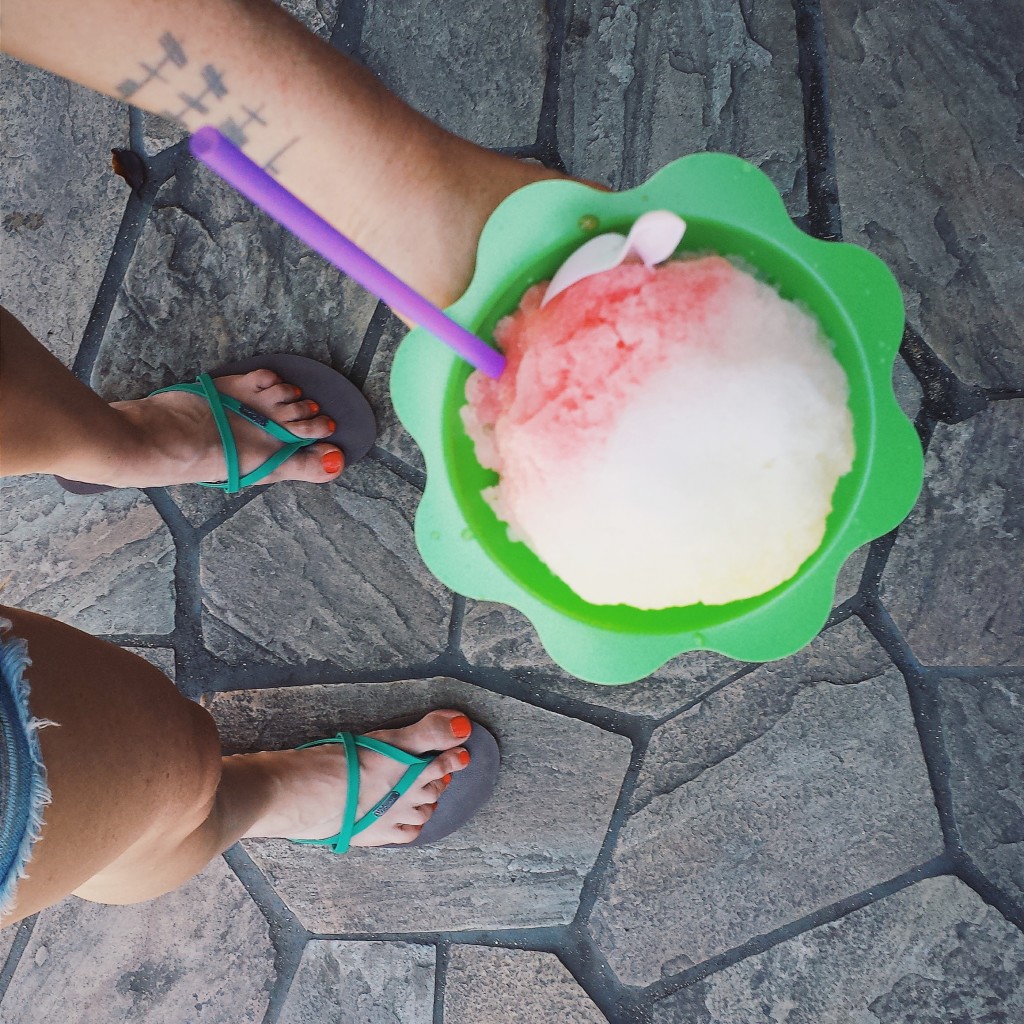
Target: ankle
[(160, 433), (249, 791), (134, 428)]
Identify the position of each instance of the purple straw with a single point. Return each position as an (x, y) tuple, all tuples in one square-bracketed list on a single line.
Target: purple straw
[(219, 154)]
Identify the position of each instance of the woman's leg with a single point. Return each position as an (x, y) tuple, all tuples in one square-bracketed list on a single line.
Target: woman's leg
[(52, 423), (142, 799)]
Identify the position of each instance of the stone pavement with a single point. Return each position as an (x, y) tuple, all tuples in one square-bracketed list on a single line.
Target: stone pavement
[(831, 839)]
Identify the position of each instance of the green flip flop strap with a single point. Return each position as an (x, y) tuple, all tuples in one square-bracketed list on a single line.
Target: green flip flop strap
[(340, 841), (205, 388), (412, 773)]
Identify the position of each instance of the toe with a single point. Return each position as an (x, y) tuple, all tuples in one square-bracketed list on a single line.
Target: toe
[(406, 833), (318, 426), (260, 380), (453, 760), (317, 464), (430, 792), (305, 409), (280, 394), (438, 730), (443, 766), (417, 815)]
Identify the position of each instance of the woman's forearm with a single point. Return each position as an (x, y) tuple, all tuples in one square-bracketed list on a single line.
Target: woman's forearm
[(415, 196)]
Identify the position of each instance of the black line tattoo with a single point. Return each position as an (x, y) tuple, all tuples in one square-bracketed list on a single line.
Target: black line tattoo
[(214, 86), (209, 92), (270, 166), (235, 129), (172, 54)]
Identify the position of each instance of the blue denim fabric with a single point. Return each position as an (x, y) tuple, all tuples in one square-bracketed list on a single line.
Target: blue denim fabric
[(23, 789)]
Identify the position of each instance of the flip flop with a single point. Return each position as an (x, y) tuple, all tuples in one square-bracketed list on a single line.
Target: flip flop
[(337, 397), (468, 791)]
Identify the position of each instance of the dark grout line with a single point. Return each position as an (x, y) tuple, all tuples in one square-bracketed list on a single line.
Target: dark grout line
[(233, 505), (621, 813), (508, 684), (158, 171), (881, 626), (934, 868), (924, 424), (538, 937), (148, 641), (360, 368), (586, 962), (136, 132), (347, 34), (995, 395), (532, 151), (944, 396), (21, 937), (924, 698), (733, 677), (574, 949), (924, 703), (259, 676), (636, 727), (443, 951), (824, 217), (168, 162), (841, 612), (879, 623), (546, 149), (878, 556), (455, 626), (969, 873), (410, 474), (838, 616), (136, 213), (190, 655), (159, 167), (638, 108), (287, 935)]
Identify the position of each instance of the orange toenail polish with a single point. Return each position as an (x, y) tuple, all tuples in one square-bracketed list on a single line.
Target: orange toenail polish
[(463, 757), (461, 727), (447, 778), (332, 425), (298, 391), (331, 462), (314, 407)]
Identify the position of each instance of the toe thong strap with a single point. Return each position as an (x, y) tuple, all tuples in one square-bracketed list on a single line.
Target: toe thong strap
[(205, 388), (412, 773), (340, 841)]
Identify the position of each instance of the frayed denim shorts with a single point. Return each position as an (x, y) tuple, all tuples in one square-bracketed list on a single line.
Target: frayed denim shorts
[(23, 789)]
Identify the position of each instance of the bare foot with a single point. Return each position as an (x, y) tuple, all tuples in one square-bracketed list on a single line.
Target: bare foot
[(177, 440), (310, 784)]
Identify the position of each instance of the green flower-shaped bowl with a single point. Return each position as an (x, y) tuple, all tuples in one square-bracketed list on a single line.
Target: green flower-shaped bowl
[(730, 208)]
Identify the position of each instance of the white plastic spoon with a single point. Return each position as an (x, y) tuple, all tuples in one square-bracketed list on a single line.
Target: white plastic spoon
[(653, 237)]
